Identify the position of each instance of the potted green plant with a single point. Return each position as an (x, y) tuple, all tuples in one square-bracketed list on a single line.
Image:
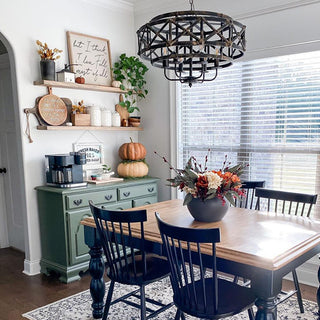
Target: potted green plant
[(106, 172), (130, 71)]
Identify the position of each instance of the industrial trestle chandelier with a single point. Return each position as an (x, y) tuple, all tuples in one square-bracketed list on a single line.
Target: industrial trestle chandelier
[(191, 43)]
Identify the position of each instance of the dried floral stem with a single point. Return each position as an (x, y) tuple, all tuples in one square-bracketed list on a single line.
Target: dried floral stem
[(171, 167), (46, 53)]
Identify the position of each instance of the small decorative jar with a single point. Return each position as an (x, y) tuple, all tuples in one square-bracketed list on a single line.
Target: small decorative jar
[(106, 118), (95, 116), (116, 120)]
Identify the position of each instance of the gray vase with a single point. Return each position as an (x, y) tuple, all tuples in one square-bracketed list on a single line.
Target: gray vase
[(47, 69), (207, 211)]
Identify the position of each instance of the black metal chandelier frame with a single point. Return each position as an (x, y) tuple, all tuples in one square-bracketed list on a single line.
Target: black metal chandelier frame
[(191, 43)]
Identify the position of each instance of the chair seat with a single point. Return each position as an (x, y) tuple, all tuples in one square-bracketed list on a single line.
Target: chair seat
[(157, 267), (232, 299)]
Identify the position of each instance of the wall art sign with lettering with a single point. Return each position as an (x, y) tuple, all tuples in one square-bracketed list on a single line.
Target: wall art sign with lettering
[(94, 153), (90, 58)]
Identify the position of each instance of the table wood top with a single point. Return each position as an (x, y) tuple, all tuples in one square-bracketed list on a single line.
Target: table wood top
[(262, 239)]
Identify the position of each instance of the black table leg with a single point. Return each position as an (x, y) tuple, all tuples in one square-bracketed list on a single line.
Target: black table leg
[(267, 309), (97, 285), (318, 295)]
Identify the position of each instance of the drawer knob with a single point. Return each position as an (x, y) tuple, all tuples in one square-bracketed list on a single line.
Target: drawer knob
[(126, 194), (77, 202), (108, 197), (151, 189)]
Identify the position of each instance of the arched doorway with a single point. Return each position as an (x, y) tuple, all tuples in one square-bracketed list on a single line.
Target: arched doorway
[(12, 193)]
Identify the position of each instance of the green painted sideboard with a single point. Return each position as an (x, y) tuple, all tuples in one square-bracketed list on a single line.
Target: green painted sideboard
[(61, 211)]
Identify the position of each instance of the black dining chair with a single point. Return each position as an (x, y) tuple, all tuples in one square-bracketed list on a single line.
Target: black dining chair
[(247, 201), (196, 291), (124, 264), (298, 204)]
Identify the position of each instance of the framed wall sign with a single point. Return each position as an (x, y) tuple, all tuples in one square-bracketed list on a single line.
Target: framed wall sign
[(90, 58), (94, 154)]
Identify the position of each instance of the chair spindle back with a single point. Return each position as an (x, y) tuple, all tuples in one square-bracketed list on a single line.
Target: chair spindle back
[(188, 282), (248, 200), (299, 204), (115, 232)]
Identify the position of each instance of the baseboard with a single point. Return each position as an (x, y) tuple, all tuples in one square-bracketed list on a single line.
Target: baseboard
[(31, 268), (308, 272)]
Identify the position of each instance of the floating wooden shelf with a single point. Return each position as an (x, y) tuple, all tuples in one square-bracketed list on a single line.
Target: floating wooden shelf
[(70, 85), (89, 128)]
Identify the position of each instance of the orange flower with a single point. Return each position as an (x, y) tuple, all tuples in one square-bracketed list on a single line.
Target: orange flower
[(219, 173), (202, 187), (227, 175), (202, 182), (235, 178)]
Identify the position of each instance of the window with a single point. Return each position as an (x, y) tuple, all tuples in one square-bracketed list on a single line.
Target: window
[(265, 113)]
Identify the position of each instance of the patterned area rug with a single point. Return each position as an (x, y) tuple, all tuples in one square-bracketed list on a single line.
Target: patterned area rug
[(78, 306)]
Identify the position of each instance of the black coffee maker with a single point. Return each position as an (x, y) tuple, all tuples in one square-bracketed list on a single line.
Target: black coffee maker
[(65, 170)]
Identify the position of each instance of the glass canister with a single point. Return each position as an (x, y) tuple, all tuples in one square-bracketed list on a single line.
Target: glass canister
[(95, 116), (116, 120), (106, 118)]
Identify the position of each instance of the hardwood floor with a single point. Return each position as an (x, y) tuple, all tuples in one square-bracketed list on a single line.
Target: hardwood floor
[(20, 293)]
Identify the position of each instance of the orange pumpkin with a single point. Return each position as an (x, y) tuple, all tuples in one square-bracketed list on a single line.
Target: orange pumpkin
[(135, 169), (132, 151), (80, 80)]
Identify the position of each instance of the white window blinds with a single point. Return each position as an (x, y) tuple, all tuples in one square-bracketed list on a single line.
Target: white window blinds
[(265, 113)]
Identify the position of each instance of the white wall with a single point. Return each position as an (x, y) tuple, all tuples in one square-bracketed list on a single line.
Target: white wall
[(22, 23), (274, 27)]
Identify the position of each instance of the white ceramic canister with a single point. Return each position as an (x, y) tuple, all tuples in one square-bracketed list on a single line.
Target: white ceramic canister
[(95, 116), (116, 120), (106, 118)]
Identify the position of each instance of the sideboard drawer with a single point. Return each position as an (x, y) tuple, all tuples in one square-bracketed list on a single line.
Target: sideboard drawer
[(144, 201), (121, 205), (137, 191), (81, 200)]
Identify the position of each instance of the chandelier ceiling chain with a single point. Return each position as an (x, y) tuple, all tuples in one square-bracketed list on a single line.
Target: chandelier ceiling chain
[(191, 44), (191, 4)]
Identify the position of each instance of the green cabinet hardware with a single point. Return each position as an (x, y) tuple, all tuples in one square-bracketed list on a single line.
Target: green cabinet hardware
[(60, 214)]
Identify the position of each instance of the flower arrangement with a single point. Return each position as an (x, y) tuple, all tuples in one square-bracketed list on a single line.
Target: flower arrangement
[(46, 53), (199, 182), (79, 108)]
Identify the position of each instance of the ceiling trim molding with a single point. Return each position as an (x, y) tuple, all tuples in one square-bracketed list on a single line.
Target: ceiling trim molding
[(272, 9), (141, 7), (111, 4)]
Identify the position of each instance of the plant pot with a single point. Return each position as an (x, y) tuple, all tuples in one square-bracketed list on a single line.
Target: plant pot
[(80, 119), (107, 175), (212, 210), (47, 69)]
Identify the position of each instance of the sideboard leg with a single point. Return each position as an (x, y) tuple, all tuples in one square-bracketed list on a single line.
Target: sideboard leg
[(318, 295), (97, 285), (267, 309)]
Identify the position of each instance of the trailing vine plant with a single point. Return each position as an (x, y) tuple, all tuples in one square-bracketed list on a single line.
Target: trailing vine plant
[(130, 71)]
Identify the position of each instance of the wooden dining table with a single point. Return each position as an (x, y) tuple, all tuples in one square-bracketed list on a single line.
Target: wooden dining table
[(260, 246)]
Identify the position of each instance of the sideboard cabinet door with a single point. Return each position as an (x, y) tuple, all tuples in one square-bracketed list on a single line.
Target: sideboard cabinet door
[(78, 250)]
